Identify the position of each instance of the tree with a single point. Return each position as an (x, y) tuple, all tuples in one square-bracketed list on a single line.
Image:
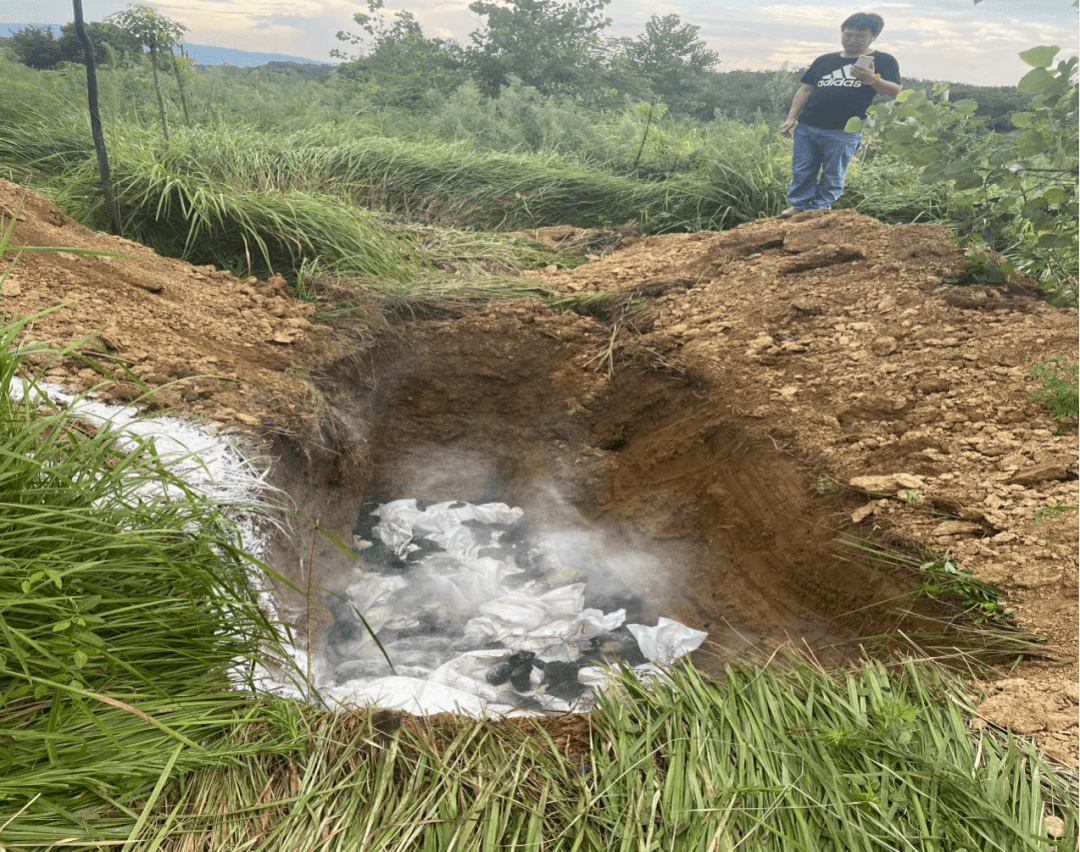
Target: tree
[(36, 47), (553, 47), (39, 48), (674, 61), (398, 65), (182, 67), (156, 32), (1015, 192), (103, 37)]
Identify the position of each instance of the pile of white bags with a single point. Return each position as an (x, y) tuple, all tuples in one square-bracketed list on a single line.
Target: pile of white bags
[(475, 617)]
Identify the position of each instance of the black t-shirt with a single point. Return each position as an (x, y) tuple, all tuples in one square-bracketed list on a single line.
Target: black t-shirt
[(837, 95)]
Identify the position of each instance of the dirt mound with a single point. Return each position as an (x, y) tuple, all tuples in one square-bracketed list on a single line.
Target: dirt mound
[(224, 350), (740, 404)]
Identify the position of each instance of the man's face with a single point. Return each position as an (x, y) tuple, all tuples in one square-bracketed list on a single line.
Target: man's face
[(855, 41)]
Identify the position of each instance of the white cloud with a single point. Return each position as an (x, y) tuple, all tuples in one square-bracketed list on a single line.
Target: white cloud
[(814, 16), (932, 39), (946, 39)]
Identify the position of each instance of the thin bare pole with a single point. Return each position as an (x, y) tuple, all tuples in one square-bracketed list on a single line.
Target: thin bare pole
[(95, 120)]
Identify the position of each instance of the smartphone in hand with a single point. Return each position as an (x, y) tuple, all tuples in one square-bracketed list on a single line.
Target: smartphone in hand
[(865, 61)]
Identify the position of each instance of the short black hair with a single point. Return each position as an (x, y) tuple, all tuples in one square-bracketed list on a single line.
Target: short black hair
[(865, 21)]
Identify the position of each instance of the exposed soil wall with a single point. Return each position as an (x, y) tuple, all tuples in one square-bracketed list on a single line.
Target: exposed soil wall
[(721, 528)]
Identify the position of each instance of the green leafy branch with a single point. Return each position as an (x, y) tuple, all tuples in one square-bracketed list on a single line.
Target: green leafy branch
[(1014, 192)]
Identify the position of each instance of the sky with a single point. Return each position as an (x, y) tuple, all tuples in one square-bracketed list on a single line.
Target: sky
[(954, 40)]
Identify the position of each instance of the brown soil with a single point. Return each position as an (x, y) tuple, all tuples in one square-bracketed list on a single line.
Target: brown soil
[(746, 403)]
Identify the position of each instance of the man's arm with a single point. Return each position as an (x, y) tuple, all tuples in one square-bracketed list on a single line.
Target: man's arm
[(876, 82), (797, 104)]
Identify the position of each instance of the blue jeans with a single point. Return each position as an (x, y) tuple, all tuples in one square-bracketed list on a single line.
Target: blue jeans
[(827, 151)]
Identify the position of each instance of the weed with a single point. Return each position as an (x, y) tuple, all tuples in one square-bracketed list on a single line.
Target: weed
[(983, 266), (603, 305), (825, 487), (789, 756), (1059, 390), (941, 580), (910, 496), (982, 601), (1053, 511)]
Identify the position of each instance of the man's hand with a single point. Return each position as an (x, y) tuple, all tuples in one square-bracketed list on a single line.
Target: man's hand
[(797, 103), (865, 75), (868, 77)]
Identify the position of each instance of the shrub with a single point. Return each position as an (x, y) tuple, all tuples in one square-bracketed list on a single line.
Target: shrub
[(1059, 389)]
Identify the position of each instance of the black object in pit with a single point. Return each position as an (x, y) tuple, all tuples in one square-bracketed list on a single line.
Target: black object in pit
[(428, 623), (561, 680), (424, 546), (383, 560), (365, 520), (347, 626), (521, 677), (482, 533), (515, 668), (520, 531), (616, 596), (617, 644)]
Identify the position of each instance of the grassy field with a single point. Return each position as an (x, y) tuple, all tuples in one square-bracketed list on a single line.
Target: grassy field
[(260, 190), (275, 170)]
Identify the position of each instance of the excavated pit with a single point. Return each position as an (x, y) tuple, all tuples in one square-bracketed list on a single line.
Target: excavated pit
[(696, 513), (836, 336)]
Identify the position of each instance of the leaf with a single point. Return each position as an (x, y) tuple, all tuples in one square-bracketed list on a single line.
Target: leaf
[(1031, 145), (1021, 119), (904, 95), (1051, 240), (61, 625), (924, 156), (1035, 81), (80, 658), (901, 134), (1040, 57), (854, 125)]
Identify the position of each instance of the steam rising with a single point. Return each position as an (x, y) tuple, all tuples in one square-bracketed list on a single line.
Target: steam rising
[(502, 607)]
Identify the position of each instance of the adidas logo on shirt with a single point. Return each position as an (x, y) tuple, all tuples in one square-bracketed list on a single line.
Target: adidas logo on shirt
[(839, 77)]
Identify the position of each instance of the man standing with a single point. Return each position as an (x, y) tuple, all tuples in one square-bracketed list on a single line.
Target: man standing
[(837, 87)]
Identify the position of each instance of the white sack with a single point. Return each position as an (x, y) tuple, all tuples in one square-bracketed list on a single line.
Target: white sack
[(419, 697), (667, 641)]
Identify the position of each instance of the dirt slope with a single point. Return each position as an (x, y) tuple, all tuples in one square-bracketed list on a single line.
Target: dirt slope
[(828, 345)]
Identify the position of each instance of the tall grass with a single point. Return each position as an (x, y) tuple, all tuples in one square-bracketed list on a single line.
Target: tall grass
[(259, 202), (779, 759), (126, 617), (519, 160), (262, 203), (334, 191)]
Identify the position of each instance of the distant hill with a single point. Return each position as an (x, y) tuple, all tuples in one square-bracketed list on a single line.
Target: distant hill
[(203, 54)]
